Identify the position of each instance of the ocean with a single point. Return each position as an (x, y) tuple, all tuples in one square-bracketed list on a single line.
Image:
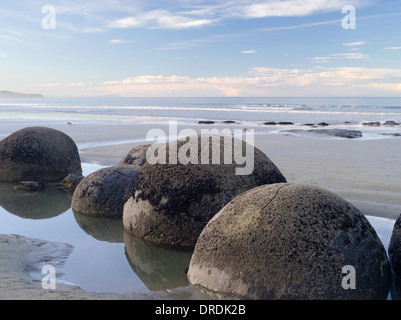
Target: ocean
[(297, 110), (348, 113)]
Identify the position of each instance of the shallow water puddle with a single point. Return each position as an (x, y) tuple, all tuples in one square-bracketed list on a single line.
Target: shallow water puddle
[(105, 258)]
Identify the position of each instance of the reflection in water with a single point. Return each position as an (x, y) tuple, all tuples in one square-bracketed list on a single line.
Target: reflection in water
[(102, 229), (43, 204), (396, 288), (159, 268)]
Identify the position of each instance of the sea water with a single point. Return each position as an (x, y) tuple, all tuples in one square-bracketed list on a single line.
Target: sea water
[(334, 111)]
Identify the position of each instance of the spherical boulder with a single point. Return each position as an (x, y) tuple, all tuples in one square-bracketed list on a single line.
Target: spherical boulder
[(171, 202), (101, 193), (394, 248), (137, 155), (289, 241), (38, 154)]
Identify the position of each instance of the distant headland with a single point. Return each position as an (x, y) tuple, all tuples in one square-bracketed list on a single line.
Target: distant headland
[(10, 95)]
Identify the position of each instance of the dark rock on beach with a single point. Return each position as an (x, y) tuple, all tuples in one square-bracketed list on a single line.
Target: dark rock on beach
[(171, 203), (137, 156), (285, 123), (229, 121), (392, 134), (288, 241), (391, 123), (101, 193), (323, 124), (269, 123), (206, 122), (341, 133), (371, 124), (38, 154)]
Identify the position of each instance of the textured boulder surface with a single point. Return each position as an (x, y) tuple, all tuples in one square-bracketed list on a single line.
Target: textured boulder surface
[(102, 192), (137, 155), (171, 203), (288, 241), (38, 154), (394, 248)]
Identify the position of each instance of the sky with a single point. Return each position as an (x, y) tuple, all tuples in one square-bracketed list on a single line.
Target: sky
[(214, 48)]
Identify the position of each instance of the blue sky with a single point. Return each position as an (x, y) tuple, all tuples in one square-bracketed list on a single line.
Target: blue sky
[(200, 48)]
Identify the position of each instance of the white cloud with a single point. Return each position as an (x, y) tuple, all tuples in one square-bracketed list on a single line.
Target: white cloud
[(59, 84), (121, 41), (215, 38), (261, 81), (351, 55), (161, 19), (393, 48), (194, 16), (354, 44), (249, 51), (289, 8)]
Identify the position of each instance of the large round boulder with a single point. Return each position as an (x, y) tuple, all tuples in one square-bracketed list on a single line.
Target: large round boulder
[(38, 154), (170, 203), (289, 241), (394, 248), (101, 193)]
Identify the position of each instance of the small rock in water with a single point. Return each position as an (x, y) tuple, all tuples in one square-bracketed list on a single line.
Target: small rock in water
[(30, 186), (322, 124), (269, 123), (71, 181), (206, 122)]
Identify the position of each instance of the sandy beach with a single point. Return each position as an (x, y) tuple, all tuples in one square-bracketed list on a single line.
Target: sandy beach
[(366, 173)]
